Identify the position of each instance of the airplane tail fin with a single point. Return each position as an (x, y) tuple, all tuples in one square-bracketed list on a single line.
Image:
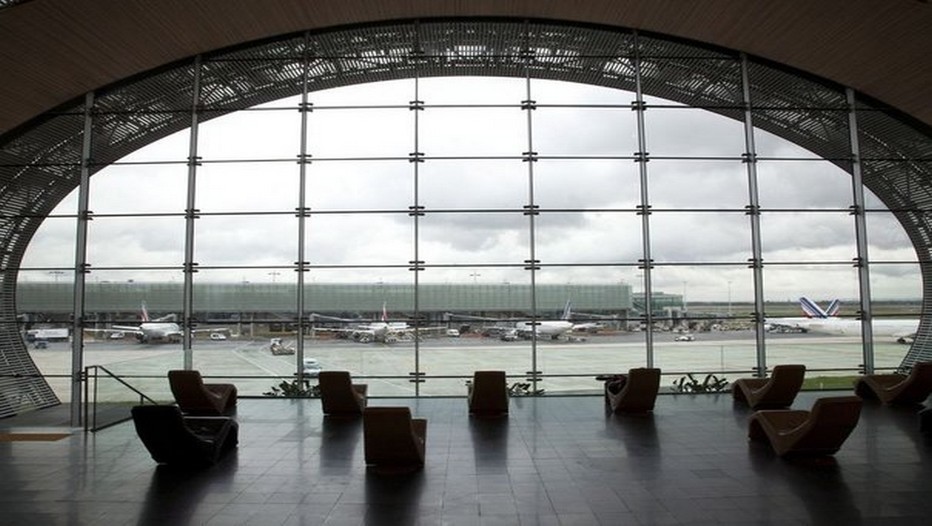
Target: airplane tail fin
[(384, 313), (811, 309), (144, 312), (833, 308), (567, 311)]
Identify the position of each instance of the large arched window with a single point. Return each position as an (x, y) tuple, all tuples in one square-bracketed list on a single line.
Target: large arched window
[(656, 188)]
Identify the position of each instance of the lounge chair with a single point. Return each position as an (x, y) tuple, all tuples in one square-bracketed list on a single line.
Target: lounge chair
[(392, 440), (770, 393), (183, 441), (488, 394), (820, 431), (339, 396), (638, 394), (897, 388), (194, 397)]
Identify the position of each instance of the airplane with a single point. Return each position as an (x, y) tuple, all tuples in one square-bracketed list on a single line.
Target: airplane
[(382, 331), (827, 322), (812, 311), (159, 330), (553, 329)]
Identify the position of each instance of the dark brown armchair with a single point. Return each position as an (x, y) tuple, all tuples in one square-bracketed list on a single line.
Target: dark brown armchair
[(897, 388), (393, 441), (488, 394), (771, 393), (339, 396), (183, 441), (820, 431), (638, 394), (194, 397)]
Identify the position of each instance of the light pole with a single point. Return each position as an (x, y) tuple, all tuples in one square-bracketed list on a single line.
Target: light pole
[(274, 273), (729, 298)]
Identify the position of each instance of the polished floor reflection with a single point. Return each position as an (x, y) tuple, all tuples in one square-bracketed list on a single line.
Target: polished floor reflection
[(554, 461)]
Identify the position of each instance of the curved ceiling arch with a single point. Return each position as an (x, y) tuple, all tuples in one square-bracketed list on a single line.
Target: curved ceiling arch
[(878, 47)]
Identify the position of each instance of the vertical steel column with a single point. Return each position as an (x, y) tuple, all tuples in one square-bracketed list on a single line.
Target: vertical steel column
[(532, 264), (81, 266), (753, 212), (860, 233), (302, 212), (190, 216), (416, 211), (642, 157)]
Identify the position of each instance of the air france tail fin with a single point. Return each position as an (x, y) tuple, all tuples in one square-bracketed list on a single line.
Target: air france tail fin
[(567, 311), (813, 310), (144, 312)]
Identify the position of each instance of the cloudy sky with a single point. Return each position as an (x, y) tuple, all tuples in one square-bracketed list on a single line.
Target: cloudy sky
[(473, 186)]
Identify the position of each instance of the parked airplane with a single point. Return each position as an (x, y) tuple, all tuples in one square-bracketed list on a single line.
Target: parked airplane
[(553, 329), (382, 331), (812, 311), (159, 330), (827, 322)]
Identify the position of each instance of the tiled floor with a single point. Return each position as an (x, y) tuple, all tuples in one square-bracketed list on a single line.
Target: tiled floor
[(555, 460)]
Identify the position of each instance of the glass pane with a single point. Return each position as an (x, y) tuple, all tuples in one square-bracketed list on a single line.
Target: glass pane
[(470, 132), (135, 241), (473, 184), (691, 132), (362, 323), (237, 135), (473, 238), (807, 236), (588, 237), (469, 326), (360, 239), (232, 187), (803, 184), (355, 133), (711, 237), (471, 90), (698, 184), (887, 240), (253, 240), (53, 245), (139, 189), (360, 185), (586, 184), (585, 132)]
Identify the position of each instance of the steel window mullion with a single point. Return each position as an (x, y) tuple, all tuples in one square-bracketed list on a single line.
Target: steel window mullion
[(860, 232), (532, 264), (641, 157), (754, 218), (80, 265), (302, 263), (416, 264), (190, 216)]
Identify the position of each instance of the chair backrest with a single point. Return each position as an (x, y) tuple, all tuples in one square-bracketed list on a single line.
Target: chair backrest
[(188, 389), (785, 383), (337, 394), (489, 393), (640, 390), (917, 386), (389, 437), (830, 422)]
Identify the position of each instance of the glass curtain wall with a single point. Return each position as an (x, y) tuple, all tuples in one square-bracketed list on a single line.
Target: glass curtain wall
[(414, 231)]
